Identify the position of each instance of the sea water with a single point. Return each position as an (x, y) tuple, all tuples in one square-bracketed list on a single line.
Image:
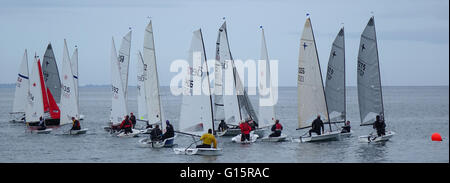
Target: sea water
[(414, 113)]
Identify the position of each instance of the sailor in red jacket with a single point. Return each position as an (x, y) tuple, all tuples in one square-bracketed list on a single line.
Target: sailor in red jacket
[(245, 131), (276, 128), (127, 125)]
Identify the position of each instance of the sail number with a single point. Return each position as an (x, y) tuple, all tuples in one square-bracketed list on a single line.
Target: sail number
[(121, 58), (301, 72), (330, 73), (361, 68), (115, 89), (66, 89)]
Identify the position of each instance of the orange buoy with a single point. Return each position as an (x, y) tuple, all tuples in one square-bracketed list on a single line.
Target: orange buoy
[(436, 137)]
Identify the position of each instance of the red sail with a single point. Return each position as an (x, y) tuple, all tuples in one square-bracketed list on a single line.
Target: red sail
[(44, 93), (54, 109)]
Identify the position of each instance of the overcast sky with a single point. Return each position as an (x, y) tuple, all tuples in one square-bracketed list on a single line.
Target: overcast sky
[(413, 35)]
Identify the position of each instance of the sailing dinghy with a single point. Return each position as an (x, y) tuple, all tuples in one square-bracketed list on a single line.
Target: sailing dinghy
[(150, 84), (69, 98), (370, 98), (52, 86), (311, 95), (335, 82), (35, 99), (21, 92), (118, 106), (230, 107), (266, 95), (74, 64), (196, 115)]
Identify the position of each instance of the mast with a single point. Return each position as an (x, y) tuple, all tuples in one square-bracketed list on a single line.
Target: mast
[(207, 75), (321, 79)]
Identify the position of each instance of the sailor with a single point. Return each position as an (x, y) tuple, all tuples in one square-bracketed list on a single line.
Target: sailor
[(245, 131), (169, 131), (379, 125), (155, 134), (252, 123), (346, 128), (126, 125), (222, 126), (75, 124), (207, 139), (276, 128), (317, 124), (133, 119), (42, 124)]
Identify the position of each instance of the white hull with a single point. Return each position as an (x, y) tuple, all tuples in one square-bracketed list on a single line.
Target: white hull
[(199, 151), (328, 136), (135, 133), (17, 117), (77, 132), (46, 131), (281, 138), (347, 134), (375, 138), (146, 142), (237, 139)]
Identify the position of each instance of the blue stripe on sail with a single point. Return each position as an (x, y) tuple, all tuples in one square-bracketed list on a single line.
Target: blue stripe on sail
[(22, 76), (76, 77)]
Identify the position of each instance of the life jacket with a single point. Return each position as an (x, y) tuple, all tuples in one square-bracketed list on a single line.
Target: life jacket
[(76, 123), (245, 128), (125, 124), (278, 126)]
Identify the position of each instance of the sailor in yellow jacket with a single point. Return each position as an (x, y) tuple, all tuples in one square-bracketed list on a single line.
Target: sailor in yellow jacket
[(208, 138)]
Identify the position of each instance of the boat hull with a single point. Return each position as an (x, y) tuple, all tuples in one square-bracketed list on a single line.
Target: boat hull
[(135, 133), (328, 136), (46, 131), (78, 132), (199, 151), (348, 134), (274, 139), (237, 139), (146, 142), (375, 138), (17, 117)]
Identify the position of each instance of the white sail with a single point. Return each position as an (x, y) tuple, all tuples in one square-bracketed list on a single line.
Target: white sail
[(335, 80), (311, 95), (152, 82), (141, 77), (196, 108), (370, 98), (35, 103), (22, 86), (118, 106), (227, 85), (219, 66), (74, 62), (124, 61), (69, 99), (266, 112)]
